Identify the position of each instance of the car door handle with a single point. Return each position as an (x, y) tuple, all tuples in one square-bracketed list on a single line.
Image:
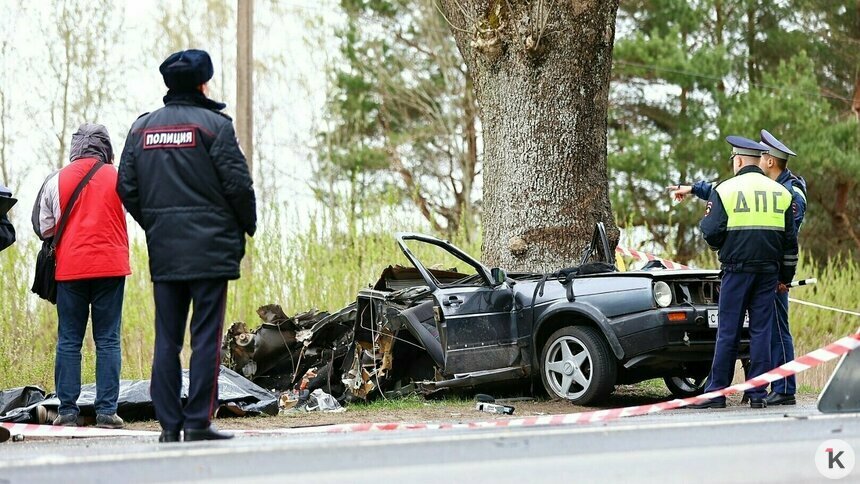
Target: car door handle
[(452, 300)]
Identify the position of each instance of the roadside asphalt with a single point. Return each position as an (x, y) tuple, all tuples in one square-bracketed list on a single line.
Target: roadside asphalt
[(737, 444)]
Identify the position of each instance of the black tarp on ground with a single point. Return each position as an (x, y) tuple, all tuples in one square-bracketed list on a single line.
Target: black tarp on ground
[(235, 393), (20, 397)]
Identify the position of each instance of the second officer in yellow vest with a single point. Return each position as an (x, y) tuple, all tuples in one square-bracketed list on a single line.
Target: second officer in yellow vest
[(750, 223)]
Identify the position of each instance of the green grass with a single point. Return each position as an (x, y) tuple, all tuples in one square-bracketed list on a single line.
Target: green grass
[(408, 402), (322, 267)]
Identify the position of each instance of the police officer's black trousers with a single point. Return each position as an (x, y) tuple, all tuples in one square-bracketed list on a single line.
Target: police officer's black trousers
[(741, 292), (172, 301)]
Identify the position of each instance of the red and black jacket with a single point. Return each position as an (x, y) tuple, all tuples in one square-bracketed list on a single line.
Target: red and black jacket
[(95, 242)]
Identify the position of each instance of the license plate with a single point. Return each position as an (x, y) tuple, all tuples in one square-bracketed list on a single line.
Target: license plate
[(714, 318)]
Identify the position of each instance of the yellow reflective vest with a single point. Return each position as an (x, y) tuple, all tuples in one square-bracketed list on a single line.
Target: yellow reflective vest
[(750, 222)]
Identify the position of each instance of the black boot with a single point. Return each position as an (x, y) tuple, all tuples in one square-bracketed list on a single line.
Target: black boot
[(758, 402), (721, 403), (780, 399), (168, 436), (209, 433)]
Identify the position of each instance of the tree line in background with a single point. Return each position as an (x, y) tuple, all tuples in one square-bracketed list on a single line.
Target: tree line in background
[(401, 122), (401, 117), (735, 67)]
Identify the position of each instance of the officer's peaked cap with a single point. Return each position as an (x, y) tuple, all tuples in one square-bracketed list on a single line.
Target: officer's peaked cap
[(745, 146), (5, 192), (775, 146), (186, 69)]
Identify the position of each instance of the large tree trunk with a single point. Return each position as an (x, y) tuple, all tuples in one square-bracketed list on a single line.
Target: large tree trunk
[(541, 77)]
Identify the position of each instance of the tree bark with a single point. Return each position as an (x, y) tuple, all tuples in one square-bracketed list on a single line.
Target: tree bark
[(540, 72)]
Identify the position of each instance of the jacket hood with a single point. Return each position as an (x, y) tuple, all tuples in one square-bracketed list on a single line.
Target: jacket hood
[(91, 140)]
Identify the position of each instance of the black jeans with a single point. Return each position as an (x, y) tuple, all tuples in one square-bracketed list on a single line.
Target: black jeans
[(74, 300), (172, 302)]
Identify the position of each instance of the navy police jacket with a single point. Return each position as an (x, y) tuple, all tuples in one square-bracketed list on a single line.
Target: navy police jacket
[(185, 180), (750, 223)]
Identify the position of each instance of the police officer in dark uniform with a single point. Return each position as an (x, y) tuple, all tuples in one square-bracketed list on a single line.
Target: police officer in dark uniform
[(185, 180), (7, 230), (774, 165), (750, 223)]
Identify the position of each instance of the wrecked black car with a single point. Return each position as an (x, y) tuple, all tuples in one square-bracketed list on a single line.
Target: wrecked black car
[(449, 322)]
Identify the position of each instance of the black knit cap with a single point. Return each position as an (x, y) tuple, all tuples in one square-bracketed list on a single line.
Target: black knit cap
[(186, 69)]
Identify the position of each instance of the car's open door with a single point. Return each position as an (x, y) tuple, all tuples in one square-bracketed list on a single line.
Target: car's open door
[(475, 316), (598, 250)]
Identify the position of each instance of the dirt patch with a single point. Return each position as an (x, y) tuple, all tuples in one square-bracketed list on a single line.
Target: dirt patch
[(416, 409)]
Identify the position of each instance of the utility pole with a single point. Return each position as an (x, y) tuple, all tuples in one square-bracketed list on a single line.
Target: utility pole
[(245, 79)]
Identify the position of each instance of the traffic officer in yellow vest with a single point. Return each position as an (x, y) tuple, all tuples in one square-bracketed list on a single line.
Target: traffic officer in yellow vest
[(749, 221)]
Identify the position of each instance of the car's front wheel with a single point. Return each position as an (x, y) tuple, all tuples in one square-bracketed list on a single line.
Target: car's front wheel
[(684, 387), (578, 365)]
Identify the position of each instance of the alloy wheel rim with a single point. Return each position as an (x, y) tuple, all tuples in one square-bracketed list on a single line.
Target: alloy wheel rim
[(568, 367)]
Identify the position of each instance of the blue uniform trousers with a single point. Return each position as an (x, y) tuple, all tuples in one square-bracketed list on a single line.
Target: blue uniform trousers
[(172, 301), (741, 292), (782, 345)]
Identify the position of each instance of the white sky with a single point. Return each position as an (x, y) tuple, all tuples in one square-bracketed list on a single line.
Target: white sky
[(297, 98)]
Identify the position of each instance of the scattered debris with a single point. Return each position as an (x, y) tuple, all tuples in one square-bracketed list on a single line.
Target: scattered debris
[(321, 401), (292, 401), (494, 408)]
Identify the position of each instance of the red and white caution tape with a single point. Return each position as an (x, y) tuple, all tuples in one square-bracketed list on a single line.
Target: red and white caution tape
[(644, 256), (810, 360)]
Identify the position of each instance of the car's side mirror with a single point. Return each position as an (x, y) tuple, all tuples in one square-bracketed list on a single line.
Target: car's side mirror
[(498, 276)]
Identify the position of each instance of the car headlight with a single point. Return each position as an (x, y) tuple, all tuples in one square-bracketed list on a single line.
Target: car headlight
[(662, 294)]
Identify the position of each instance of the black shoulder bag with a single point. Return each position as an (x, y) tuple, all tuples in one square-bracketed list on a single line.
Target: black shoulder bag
[(45, 282)]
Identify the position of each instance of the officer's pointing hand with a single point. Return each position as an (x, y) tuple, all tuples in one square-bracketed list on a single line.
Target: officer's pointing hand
[(679, 192)]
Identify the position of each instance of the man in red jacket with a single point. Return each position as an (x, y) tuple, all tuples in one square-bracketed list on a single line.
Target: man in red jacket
[(92, 263)]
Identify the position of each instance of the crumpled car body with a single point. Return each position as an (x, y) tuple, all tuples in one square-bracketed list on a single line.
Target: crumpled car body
[(579, 331)]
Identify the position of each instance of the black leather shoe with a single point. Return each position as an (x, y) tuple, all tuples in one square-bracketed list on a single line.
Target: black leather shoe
[(169, 436), (758, 403), (780, 399), (210, 433), (708, 404)]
